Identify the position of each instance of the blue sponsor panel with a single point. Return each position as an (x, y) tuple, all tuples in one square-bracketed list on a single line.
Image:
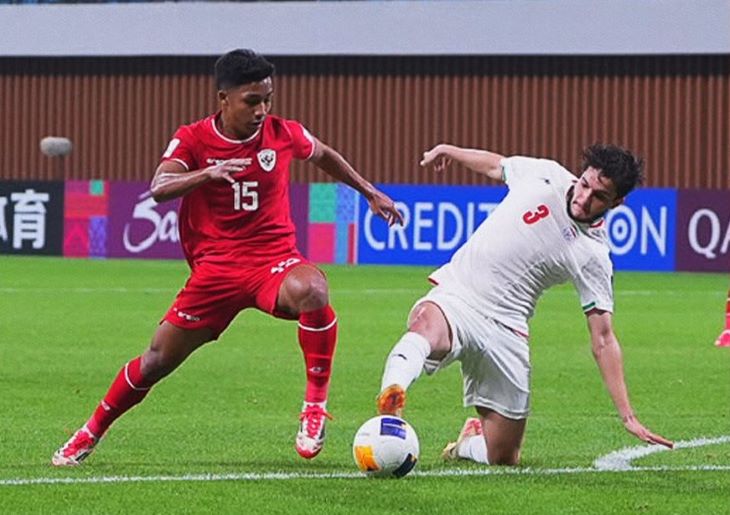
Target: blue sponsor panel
[(642, 232), (438, 220)]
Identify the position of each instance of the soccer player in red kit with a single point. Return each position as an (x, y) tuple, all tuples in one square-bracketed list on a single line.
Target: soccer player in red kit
[(724, 339), (232, 170)]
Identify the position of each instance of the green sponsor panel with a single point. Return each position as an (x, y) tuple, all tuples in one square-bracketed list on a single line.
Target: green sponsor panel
[(96, 187), (322, 203)]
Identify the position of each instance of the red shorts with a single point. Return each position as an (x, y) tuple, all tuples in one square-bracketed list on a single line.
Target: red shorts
[(215, 293)]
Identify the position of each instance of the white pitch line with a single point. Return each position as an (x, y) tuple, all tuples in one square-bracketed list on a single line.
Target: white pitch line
[(614, 462), (281, 476), (621, 460)]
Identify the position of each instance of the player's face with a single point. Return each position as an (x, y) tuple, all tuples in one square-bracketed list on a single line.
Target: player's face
[(245, 107), (593, 195)]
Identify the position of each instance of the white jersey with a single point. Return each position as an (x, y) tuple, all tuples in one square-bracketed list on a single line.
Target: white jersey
[(527, 244)]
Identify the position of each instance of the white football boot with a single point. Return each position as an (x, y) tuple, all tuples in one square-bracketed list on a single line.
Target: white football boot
[(76, 450), (310, 438)]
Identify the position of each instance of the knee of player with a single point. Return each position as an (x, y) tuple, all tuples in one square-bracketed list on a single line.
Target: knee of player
[(312, 294), (158, 361), (419, 322), (507, 459), (504, 462), (152, 365), (437, 335)]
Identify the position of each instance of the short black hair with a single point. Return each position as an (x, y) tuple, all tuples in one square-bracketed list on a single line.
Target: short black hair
[(241, 66), (625, 170)]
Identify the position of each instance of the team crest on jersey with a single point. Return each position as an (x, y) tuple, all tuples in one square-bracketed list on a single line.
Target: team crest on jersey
[(267, 159)]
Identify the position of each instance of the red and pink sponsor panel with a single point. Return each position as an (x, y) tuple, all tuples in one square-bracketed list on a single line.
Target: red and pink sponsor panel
[(85, 218)]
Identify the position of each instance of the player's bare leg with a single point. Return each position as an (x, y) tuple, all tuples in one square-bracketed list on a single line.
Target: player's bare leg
[(304, 295), (428, 336), (170, 346), (491, 439), (503, 436)]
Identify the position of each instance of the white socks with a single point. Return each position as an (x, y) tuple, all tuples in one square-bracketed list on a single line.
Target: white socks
[(404, 365), (405, 362), (473, 448)]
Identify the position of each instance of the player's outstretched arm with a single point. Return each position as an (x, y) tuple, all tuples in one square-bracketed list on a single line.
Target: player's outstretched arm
[(480, 161), (172, 179), (607, 352), (333, 164)]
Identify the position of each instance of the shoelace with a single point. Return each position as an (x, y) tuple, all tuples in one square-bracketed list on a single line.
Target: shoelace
[(315, 416)]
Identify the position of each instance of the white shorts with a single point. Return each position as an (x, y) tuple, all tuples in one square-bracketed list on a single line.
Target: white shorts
[(495, 360)]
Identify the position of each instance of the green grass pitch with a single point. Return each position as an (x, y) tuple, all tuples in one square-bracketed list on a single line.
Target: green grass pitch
[(67, 326)]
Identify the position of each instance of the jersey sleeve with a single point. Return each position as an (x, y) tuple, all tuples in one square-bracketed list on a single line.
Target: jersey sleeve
[(180, 149), (302, 140), (594, 284), (520, 169)]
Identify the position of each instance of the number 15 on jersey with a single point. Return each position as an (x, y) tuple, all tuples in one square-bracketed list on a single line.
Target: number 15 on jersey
[(245, 196)]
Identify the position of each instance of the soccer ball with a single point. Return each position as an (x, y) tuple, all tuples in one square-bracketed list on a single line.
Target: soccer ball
[(386, 446)]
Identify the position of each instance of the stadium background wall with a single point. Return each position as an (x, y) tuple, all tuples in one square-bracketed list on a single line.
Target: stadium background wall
[(381, 112)]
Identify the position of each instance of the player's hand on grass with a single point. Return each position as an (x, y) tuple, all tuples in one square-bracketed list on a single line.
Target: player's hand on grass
[(437, 158), (223, 171), (633, 426), (383, 206)]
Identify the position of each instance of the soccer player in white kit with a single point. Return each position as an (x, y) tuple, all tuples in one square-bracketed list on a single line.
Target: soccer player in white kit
[(549, 229)]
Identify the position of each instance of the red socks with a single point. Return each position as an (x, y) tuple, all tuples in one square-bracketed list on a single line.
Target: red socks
[(127, 390), (317, 338)]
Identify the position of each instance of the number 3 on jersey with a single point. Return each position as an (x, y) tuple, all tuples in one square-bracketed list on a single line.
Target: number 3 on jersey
[(245, 196), (531, 217)]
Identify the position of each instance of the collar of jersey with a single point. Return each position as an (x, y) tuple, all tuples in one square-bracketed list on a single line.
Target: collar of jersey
[(585, 227), (229, 140)]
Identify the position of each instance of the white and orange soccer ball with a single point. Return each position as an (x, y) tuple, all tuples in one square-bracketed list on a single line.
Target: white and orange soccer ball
[(386, 446)]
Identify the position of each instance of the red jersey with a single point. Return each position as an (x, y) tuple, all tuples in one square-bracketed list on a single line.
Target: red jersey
[(248, 220)]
